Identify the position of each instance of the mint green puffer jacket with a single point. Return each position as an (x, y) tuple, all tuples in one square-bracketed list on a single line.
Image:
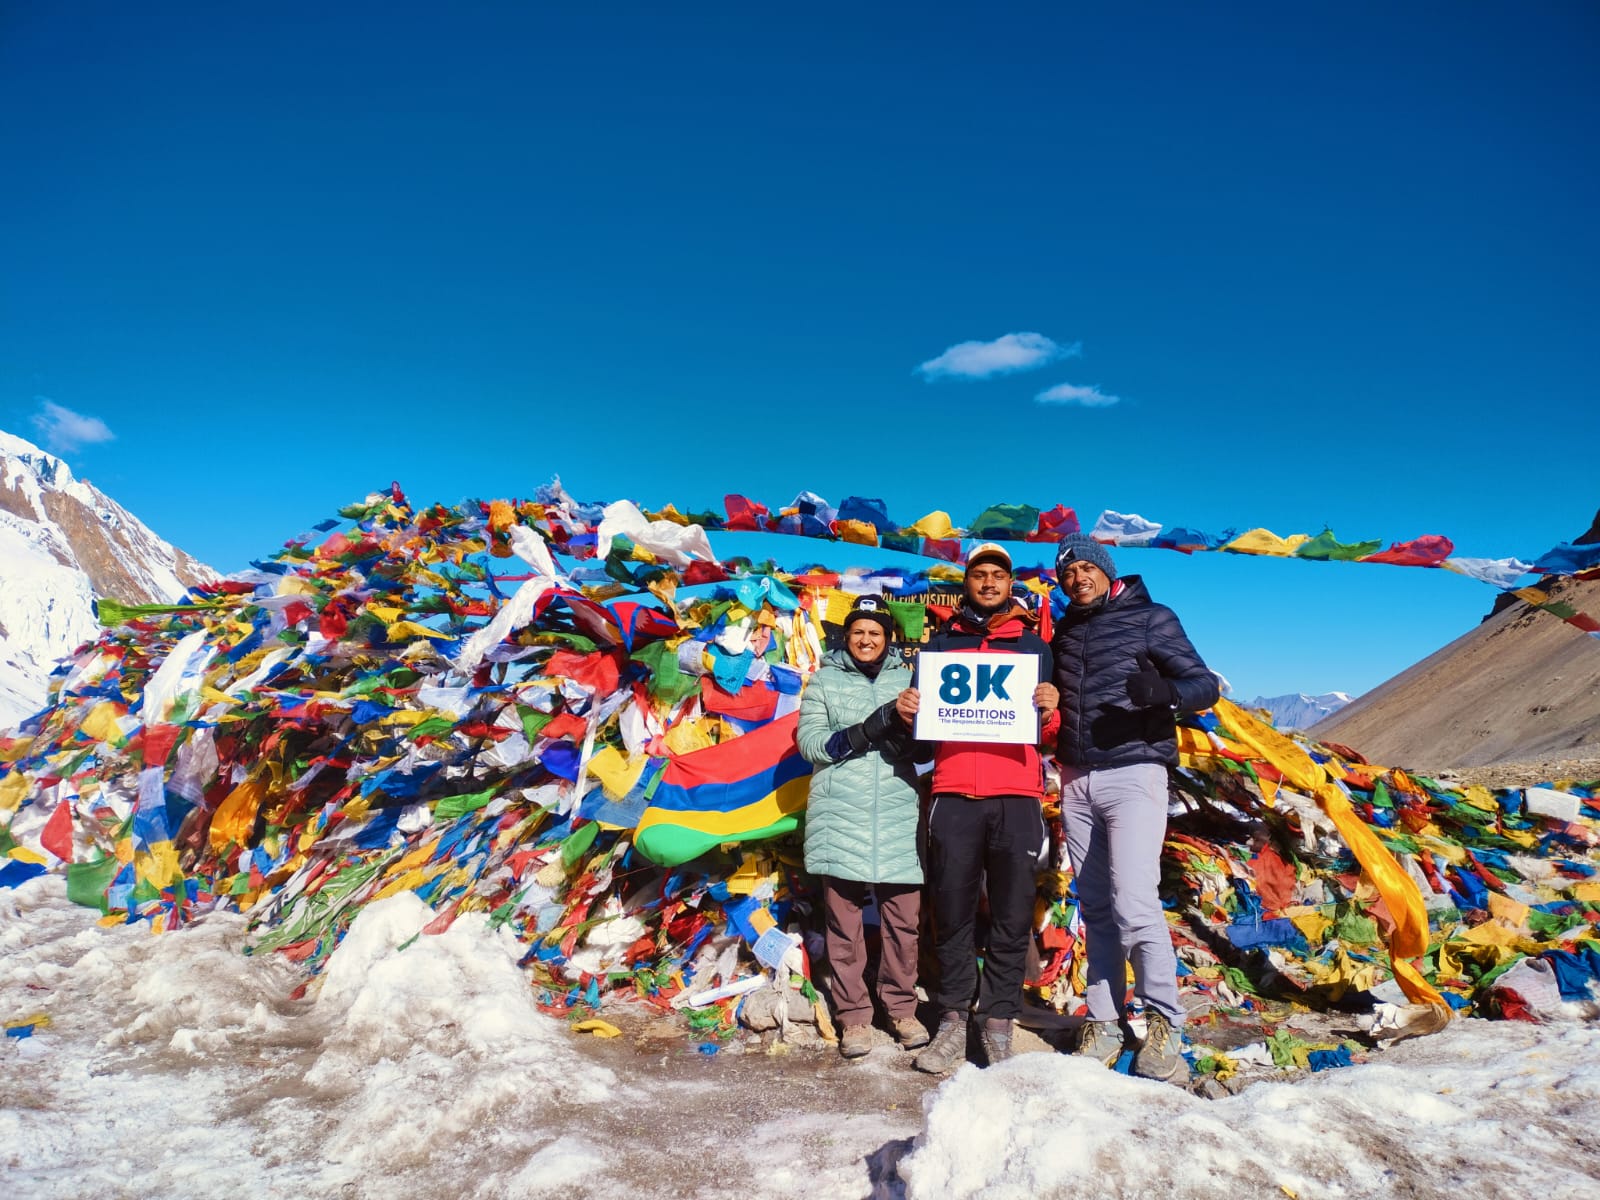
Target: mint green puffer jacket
[(861, 820)]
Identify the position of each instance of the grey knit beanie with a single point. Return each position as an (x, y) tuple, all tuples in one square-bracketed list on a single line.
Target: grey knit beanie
[(1078, 546)]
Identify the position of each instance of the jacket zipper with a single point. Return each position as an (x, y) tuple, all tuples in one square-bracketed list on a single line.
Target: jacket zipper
[(877, 771)]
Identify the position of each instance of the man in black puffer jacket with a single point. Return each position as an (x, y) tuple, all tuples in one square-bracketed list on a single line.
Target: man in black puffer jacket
[(1123, 666)]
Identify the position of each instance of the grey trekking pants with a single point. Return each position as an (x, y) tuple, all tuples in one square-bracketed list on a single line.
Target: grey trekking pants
[(1116, 822)]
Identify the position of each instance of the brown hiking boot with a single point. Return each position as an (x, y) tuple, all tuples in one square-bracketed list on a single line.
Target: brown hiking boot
[(995, 1035), (1161, 1055), (856, 1041), (910, 1033), (948, 1050)]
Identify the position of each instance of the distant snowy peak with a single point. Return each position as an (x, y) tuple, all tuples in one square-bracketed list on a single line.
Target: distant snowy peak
[(79, 526), (1300, 711), (63, 543)]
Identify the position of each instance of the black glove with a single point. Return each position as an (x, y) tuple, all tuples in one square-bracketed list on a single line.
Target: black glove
[(1147, 688), (862, 736), (880, 722)]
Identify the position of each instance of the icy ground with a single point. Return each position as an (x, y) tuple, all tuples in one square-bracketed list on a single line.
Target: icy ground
[(175, 1065)]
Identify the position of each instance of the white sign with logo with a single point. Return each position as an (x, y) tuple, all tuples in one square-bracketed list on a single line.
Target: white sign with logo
[(974, 697)]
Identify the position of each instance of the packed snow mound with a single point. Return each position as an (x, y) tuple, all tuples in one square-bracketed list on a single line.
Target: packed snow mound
[(411, 1016), (1300, 711), (424, 1055), (63, 543), (1500, 1097)]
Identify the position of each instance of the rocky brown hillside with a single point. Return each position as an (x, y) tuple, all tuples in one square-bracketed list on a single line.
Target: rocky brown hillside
[(1523, 688)]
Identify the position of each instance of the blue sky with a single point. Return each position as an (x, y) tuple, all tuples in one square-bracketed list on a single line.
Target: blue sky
[(1336, 263)]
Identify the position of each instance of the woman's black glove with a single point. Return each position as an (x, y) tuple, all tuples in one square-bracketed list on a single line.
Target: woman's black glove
[(879, 722), (1148, 689), (863, 735)]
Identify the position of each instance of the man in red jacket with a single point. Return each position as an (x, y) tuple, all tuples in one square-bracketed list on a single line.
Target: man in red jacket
[(985, 828)]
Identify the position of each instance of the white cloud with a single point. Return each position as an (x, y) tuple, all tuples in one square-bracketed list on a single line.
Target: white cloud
[(65, 431), (1012, 352), (1071, 393)]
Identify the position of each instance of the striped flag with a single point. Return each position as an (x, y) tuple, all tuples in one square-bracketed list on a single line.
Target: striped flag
[(754, 786)]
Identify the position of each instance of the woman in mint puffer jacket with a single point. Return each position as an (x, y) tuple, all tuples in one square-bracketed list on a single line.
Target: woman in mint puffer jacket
[(861, 825)]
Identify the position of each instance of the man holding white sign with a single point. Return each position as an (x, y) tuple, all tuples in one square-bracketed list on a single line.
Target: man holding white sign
[(982, 692)]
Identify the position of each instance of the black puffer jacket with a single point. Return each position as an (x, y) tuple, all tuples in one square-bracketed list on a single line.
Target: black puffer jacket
[(1095, 652)]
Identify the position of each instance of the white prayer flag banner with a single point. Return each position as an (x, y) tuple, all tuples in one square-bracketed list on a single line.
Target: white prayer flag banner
[(975, 697)]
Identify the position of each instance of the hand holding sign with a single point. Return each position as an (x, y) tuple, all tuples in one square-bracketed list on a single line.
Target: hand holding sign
[(1046, 698), (976, 697)]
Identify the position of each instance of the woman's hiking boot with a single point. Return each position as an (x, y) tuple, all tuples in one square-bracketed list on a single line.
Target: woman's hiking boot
[(856, 1041), (910, 1033)]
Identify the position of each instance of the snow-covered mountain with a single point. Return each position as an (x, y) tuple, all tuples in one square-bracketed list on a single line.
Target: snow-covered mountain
[(63, 543), (1300, 711)]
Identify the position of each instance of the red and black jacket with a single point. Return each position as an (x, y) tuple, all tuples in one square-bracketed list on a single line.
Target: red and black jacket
[(992, 768)]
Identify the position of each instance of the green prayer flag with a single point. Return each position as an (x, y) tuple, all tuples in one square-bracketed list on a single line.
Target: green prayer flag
[(1354, 927), (1325, 548), (909, 616), (1239, 981), (87, 882), (1000, 520), (111, 613), (433, 727), (533, 721), (577, 843), (666, 683), (451, 807)]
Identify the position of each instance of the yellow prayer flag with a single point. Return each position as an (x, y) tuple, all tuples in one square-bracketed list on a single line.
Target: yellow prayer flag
[(935, 525), (13, 790), (1512, 912), (1264, 541), (101, 723), (616, 773), (236, 815)]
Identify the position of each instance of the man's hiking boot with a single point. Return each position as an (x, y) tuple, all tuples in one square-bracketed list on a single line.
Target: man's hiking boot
[(995, 1034), (1101, 1040), (910, 1033), (1160, 1057), (948, 1050), (856, 1041)]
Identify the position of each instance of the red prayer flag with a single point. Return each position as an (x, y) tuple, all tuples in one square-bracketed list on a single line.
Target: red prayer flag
[(754, 702), (596, 671), (746, 514), (56, 836), (1055, 525), (157, 742), (1427, 551)]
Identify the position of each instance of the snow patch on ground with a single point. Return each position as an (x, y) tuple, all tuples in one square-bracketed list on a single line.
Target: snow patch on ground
[(178, 1064), (434, 1051), (1498, 1109)]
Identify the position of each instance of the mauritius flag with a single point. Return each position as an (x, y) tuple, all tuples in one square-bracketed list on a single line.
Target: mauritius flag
[(754, 786)]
